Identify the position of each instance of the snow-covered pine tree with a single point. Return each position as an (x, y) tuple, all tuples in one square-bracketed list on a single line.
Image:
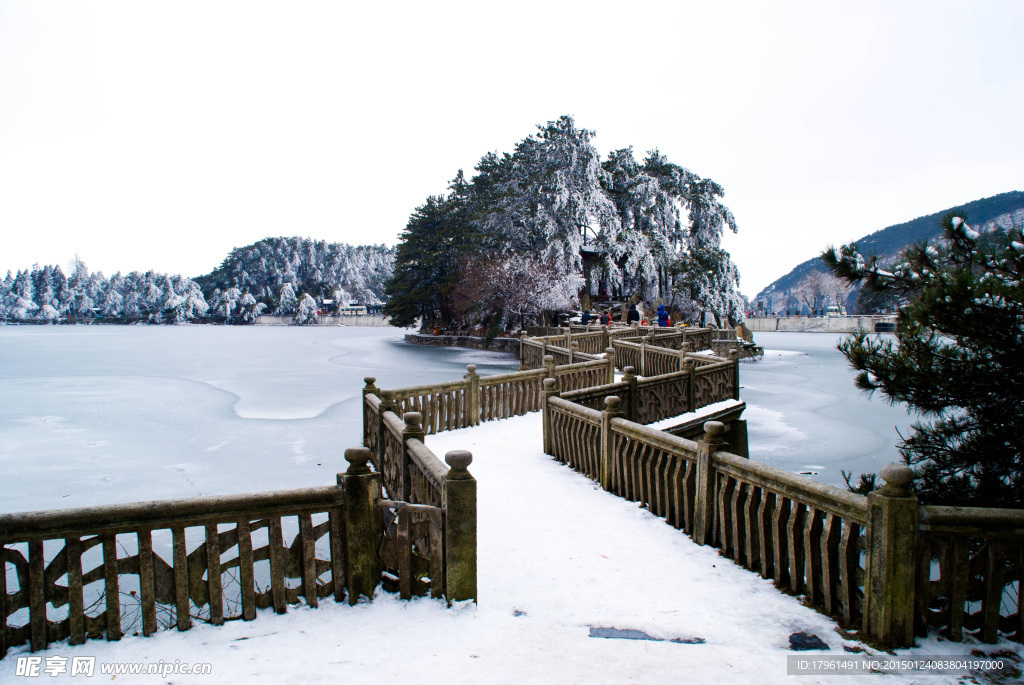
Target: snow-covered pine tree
[(306, 313), (340, 298), (546, 198), (316, 267), (226, 303), (21, 299), (194, 306), (955, 360), (112, 303), (288, 301), (648, 237), (80, 290), (250, 309), (646, 226), (703, 275)]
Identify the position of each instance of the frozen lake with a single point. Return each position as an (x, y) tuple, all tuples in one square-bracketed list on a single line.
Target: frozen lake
[(805, 415), (104, 414)]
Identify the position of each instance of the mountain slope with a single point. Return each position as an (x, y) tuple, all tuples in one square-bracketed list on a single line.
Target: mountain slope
[(1000, 209)]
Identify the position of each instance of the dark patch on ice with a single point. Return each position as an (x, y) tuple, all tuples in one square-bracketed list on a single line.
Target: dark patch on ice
[(517, 612), (631, 634), (800, 642)]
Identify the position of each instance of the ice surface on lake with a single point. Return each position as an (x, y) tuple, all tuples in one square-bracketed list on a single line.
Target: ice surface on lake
[(103, 414), (804, 413)]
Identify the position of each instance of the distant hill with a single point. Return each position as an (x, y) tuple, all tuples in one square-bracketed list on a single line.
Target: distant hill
[(999, 209), (323, 269), (269, 276)]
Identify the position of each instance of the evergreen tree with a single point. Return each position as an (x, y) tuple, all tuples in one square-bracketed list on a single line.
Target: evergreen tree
[(955, 360), (316, 267), (21, 299), (642, 228), (250, 309), (427, 265), (307, 311), (112, 305), (287, 300), (647, 236)]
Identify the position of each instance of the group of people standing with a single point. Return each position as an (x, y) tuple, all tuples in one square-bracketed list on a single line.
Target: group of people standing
[(632, 316)]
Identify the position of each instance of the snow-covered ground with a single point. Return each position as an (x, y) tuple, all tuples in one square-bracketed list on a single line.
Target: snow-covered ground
[(557, 556)]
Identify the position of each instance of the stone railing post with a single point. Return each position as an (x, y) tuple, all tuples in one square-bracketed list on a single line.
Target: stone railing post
[(473, 400), (891, 559), (691, 385), (550, 388), (704, 510), (609, 354), (734, 356), (363, 524), (368, 389), (606, 338), (460, 528), (611, 410), (549, 364), (413, 431), (633, 410), (574, 347)]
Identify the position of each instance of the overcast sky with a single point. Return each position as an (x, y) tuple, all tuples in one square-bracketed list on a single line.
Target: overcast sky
[(144, 135)]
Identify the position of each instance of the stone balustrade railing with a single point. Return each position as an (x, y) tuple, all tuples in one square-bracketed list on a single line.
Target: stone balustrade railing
[(880, 562)]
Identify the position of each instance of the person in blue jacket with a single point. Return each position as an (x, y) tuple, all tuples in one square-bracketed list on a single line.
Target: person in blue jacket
[(662, 316)]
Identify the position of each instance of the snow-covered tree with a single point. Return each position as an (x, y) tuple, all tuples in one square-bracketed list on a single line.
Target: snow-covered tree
[(955, 360), (546, 199), (811, 291), (288, 301), (306, 312), (112, 304), (250, 309), (44, 293), (340, 298), (316, 267), (651, 230), (226, 303), (48, 313), (194, 306)]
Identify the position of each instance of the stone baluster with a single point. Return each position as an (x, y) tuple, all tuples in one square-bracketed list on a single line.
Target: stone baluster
[(460, 528), (363, 524), (891, 559)]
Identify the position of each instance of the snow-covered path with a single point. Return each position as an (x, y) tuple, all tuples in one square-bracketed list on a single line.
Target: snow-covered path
[(556, 556)]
